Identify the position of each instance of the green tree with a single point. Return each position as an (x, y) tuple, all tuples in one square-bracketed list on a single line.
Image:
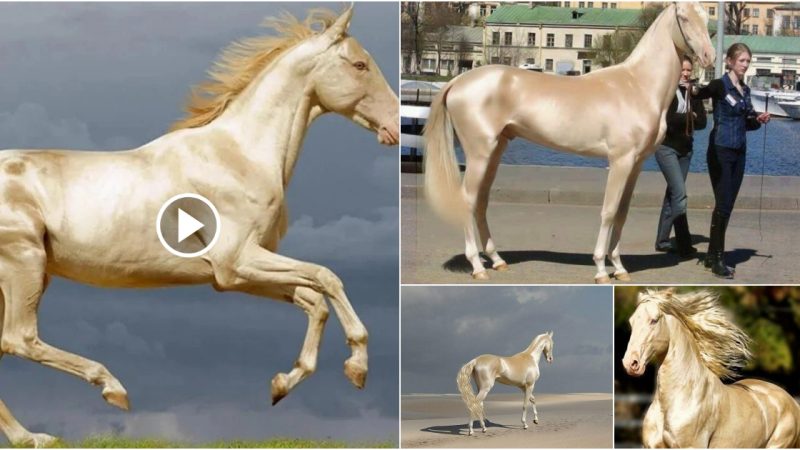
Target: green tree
[(615, 47)]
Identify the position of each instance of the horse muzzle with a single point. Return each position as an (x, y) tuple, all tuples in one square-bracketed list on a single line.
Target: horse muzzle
[(634, 366), (389, 134)]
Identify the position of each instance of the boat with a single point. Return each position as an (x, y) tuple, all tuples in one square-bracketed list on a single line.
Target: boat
[(792, 109), (763, 86)]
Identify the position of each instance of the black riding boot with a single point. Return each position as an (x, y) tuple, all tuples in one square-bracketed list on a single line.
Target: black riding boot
[(683, 239), (716, 248)]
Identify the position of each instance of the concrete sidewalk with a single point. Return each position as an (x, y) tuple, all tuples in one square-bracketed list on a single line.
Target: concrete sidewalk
[(586, 186), (545, 222)]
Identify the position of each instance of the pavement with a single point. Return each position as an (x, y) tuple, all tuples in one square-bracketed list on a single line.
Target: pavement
[(545, 221)]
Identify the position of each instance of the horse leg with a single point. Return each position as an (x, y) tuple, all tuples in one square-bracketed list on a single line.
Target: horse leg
[(526, 396), (482, 393), (535, 412), (17, 435), (313, 304), (619, 222), (483, 203), (23, 284), (620, 170), (257, 269)]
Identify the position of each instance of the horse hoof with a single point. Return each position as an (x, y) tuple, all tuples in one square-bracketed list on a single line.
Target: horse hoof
[(622, 276), (280, 387), (501, 267), (525, 426), (536, 421), (117, 397), (41, 440), (356, 372), (470, 433), (603, 279), (482, 275), (483, 430)]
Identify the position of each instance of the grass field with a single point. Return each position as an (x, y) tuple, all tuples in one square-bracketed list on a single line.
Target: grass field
[(124, 442)]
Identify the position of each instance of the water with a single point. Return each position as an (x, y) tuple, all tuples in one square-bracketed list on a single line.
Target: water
[(782, 151)]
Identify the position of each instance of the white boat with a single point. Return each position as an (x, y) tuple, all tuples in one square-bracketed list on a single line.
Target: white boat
[(777, 99), (792, 109)]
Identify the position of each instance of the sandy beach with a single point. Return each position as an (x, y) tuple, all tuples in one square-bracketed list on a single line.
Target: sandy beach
[(565, 420)]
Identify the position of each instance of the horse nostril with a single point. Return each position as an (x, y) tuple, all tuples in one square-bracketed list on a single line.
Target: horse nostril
[(635, 364)]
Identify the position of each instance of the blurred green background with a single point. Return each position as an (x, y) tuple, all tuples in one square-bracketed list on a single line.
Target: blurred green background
[(770, 315)]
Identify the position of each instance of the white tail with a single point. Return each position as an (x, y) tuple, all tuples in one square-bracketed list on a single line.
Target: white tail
[(442, 177), (465, 387)]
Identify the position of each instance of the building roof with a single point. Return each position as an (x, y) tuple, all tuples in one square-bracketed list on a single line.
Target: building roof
[(455, 33), (551, 15), (788, 6), (765, 44)]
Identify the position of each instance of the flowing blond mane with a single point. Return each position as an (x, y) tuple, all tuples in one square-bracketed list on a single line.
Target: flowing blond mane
[(723, 347), (243, 60)]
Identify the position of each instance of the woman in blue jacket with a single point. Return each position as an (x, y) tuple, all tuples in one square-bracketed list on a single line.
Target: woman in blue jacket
[(727, 147)]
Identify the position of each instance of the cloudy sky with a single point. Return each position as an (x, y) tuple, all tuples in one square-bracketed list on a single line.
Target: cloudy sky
[(445, 327), (196, 363)]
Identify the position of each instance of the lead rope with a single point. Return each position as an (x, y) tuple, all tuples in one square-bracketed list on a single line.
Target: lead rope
[(689, 118), (763, 154)]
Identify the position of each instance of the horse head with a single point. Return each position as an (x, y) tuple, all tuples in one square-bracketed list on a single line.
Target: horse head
[(347, 81), (548, 347), (649, 335), (690, 34)]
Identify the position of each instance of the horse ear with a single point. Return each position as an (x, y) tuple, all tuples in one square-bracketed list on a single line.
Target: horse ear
[(550, 333), (339, 28), (669, 292)]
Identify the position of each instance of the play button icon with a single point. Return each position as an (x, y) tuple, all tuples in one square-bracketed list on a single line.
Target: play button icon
[(188, 225)]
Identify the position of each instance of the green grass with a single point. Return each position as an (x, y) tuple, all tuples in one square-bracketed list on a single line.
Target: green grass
[(125, 442)]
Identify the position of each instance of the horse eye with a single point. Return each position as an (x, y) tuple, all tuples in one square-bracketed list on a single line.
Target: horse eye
[(360, 65), (653, 321)]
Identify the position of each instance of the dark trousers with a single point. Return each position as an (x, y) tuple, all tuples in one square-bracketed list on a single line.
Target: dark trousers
[(675, 167), (726, 169)]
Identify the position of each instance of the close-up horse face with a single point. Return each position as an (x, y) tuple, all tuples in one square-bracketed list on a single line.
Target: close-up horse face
[(649, 338), (693, 20), (348, 82)]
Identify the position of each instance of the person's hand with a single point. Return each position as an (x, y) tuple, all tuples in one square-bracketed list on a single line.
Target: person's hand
[(763, 117), (694, 115)]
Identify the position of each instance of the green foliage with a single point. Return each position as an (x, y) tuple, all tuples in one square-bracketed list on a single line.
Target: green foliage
[(615, 47), (111, 441)]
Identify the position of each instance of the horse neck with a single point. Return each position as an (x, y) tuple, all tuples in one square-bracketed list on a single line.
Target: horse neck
[(270, 117), (536, 348), (683, 379), (655, 61)]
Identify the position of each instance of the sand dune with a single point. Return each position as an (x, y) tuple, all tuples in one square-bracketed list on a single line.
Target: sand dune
[(565, 420)]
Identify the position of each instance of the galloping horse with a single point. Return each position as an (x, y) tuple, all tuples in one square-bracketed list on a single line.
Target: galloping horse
[(237, 147), (696, 344), (520, 370), (618, 113)]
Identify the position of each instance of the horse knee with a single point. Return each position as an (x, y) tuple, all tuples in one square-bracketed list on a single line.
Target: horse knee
[(329, 281)]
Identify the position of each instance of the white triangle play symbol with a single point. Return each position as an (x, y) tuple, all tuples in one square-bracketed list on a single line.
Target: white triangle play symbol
[(187, 225)]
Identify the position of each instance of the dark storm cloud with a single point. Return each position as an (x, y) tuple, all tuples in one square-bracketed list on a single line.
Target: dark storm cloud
[(197, 363), (444, 327)]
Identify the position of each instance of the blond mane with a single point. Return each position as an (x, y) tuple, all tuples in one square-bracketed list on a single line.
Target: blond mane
[(243, 60), (723, 347)]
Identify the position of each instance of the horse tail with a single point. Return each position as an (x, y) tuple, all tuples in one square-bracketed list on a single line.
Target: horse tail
[(442, 177), (465, 387)]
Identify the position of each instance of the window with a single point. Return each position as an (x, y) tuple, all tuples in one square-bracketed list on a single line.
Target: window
[(508, 38), (507, 60), (581, 4), (428, 64), (786, 22), (587, 41), (495, 60), (531, 39), (568, 41), (797, 22), (770, 13), (551, 40), (755, 28), (756, 12), (746, 28), (548, 65), (613, 6), (483, 11), (712, 11), (530, 60), (587, 66), (590, 4), (747, 12), (495, 38), (605, 5)]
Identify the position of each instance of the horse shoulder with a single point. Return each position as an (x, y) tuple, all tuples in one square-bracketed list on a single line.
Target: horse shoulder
[(653, 426)]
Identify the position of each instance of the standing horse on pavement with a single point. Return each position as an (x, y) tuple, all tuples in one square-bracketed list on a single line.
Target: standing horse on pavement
[(89, 216), (617, 113), (695, 344), (520, 370)]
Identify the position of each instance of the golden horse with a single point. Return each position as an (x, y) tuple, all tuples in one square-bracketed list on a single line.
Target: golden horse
[(695, 344), (617, 113), (89, 216)]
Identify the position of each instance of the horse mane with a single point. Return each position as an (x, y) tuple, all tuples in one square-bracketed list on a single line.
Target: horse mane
[(536, 341), (243, 60), (723, 347)]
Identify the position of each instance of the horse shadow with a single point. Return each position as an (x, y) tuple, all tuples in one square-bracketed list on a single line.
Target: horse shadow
[(459, 430), (633, 263)]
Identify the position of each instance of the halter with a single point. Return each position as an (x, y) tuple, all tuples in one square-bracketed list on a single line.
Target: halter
[(685, 41)]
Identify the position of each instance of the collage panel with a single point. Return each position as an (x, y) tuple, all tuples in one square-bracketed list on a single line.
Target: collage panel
[(109, 111), (506, 367), (706, 367), (586, 142)]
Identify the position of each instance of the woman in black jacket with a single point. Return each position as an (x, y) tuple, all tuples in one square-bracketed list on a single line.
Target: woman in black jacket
[(727, 147), (685, 115)]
